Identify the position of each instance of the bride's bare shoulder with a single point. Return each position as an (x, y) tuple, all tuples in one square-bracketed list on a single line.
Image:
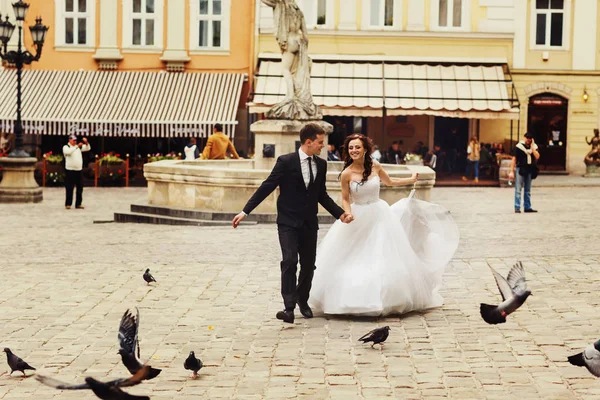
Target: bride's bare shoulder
[(376, 166), (346, 174)]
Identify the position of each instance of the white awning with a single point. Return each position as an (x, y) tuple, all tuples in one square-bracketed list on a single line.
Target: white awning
[(121, 103), (366, 88)]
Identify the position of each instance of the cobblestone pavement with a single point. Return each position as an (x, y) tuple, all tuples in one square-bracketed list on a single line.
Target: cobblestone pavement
[(66, 282)]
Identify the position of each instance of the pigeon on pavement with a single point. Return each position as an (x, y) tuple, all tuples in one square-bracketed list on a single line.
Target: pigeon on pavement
[(148, 277), (377, 336), (514, 293), (193, 364), (128, 342), (15, 363), (103, 390), (589, 358)]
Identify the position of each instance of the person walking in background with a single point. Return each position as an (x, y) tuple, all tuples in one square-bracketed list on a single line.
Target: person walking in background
[(73, 170), (218, 145), (473, 154), (332, 153), (451, 148), (376, 154), (431, 158), (524, 162), (191, 150), (394, 154)]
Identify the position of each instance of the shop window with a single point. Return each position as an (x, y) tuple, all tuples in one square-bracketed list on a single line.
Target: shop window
[(317, 13), (549, 23), (210, 24), (75, 23), (382, 13), (450, 15), (142, 24)]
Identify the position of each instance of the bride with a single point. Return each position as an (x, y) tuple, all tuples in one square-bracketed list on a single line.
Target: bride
[(390, 260)]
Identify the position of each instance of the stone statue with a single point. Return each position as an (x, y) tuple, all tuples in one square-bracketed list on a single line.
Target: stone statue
[(593, 157), (290, 33), (596, 136)]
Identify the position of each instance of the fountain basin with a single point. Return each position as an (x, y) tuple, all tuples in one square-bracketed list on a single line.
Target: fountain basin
[(226, 185)]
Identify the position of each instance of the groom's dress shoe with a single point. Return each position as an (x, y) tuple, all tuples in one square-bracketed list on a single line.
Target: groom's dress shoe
[(286, 316), (305, 310)]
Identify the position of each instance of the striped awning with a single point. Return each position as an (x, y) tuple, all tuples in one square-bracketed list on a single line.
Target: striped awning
[(401, 88), (121, 103)]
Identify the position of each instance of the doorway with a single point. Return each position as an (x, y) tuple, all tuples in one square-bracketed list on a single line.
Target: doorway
[(547, 122), (452, 135)]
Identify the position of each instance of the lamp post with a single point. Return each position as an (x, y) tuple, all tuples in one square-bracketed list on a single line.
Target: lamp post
[(20, 58), (18, 184)]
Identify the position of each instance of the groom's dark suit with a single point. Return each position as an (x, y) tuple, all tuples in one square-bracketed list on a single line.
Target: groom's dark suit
[(297, 222)]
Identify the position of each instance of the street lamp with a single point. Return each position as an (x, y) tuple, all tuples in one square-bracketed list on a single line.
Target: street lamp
[(20, 58)]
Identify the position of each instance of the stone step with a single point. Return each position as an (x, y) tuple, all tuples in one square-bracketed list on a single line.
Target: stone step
[(190, 214), (142, 218)]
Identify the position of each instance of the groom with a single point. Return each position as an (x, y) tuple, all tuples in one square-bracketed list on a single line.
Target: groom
[(301, 179)]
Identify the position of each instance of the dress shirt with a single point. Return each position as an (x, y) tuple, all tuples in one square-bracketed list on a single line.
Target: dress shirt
[(304, 166)]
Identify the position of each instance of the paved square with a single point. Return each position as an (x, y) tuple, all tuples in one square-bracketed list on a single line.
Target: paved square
[(66, 282)]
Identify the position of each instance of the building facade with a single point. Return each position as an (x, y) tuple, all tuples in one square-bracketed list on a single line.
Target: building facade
[(132, 73), (429, 70)]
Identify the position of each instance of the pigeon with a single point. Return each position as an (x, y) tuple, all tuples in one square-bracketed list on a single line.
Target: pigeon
[(514, 293), (128, 341), (377, 336), (589, 358), (15, 363), (193, 364), (148, 277), (103, 390)]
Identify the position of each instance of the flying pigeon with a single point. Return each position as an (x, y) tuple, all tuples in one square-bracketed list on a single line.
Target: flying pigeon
[(15, 363), (377, 336), (148, 277), (193, 364), (128, 342), (589, 358), (514, 293), (103, 390)]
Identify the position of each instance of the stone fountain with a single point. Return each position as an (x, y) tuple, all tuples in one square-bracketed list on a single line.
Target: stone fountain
[(222, 187)]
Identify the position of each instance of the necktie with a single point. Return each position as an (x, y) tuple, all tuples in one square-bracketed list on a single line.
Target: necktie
[(310, 172)]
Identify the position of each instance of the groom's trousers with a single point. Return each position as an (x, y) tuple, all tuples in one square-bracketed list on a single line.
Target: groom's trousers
[(297, 243)]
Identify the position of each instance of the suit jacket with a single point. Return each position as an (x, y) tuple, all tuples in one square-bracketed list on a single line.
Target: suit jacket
[(217, 146), (296, 204)]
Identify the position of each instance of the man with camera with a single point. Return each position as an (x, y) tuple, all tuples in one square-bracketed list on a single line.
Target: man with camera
[(73, 170), (524, 162)]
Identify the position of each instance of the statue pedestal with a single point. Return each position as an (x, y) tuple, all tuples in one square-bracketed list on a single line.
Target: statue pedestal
[(18, 184), (592, 171), (274, 137)]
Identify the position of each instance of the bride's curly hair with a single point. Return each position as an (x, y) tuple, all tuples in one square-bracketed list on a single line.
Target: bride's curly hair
[(367, 145)]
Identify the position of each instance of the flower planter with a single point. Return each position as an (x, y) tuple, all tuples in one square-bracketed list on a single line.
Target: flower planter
[(112, 174)]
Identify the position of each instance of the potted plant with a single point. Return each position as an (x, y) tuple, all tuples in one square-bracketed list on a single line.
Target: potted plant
[(158, 157), (413, 159), (111, 170), (54, 168)]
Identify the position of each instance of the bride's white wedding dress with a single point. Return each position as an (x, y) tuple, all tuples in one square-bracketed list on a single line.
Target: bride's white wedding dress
[(389, 260)]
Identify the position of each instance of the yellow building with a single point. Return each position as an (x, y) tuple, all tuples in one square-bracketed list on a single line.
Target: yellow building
[(144, 69), (415, 70)]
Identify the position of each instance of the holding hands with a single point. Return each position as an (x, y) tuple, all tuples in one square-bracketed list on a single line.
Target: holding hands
[(346, 218)]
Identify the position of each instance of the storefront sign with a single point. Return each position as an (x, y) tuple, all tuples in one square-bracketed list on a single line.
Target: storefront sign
[(103, 130), (548, 102), (26, 127)]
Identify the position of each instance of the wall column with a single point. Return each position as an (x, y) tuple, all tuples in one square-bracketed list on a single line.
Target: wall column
[(175, 54), (416, 15), (347, 15), (584, 34), (108, 53)]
